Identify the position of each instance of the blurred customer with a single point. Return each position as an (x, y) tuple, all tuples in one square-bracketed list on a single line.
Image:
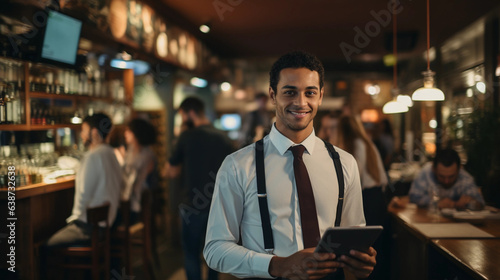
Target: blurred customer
[(98, 180), (139, 163), (257, 123), (445, 180), (384, 141), (199, 152), (352, 137), (328, 127)]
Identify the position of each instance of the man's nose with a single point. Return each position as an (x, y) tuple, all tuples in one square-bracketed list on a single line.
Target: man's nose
[(301, 99)]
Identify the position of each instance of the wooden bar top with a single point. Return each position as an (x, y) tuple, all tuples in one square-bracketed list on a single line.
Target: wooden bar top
[(41, 188), (410, 214), (479, 257)]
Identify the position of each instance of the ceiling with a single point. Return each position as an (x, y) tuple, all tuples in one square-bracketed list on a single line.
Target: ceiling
[(264, 28)]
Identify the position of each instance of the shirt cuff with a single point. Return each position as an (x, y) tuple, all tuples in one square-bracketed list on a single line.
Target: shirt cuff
[(261, 265)]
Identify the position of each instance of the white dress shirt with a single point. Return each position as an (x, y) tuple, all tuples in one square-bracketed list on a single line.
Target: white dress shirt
[(98, 179), (235, 205), (367, 180)]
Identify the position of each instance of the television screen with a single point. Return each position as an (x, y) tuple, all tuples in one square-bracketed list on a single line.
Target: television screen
[(60, 41)]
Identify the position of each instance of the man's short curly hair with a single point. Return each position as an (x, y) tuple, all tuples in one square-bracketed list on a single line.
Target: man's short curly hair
[(144, 131), (101, 122), (296, 59)]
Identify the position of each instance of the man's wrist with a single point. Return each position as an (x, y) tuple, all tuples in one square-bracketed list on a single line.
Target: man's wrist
[(274, 266)]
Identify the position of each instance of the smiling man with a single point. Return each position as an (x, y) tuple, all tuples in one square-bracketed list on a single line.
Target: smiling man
[(299, 193)]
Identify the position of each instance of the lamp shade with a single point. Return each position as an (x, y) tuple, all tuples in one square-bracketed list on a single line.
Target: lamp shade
[(394, 107), (405, 99), (428, 94)]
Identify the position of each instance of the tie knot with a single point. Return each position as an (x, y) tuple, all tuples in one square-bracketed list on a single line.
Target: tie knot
[(297, 151)]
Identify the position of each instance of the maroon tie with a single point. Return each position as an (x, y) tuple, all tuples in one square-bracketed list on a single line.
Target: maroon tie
[(308, 215)]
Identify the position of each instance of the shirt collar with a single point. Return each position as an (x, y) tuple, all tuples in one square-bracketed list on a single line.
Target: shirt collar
[(282, 143)]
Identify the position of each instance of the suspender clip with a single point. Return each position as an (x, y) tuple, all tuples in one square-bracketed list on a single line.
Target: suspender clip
[(262, 195), (269, 251)]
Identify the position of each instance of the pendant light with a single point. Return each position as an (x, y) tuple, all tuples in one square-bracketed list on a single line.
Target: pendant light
[(428, 92), (395, 106)]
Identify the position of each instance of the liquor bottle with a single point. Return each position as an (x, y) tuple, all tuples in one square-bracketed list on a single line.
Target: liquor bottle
[(2, 105), (9, 112), (16, 107)]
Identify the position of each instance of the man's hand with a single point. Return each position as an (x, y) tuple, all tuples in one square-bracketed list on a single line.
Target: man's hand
[(463, 201), (446, 203), (171, 171), (358, 263), (303, 265)]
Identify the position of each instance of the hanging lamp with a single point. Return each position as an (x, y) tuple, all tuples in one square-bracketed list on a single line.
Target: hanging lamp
[(428, 92), (395, 106)]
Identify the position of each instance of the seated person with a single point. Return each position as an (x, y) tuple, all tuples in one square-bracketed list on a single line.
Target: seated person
[(98, 180), (455, 187), (139, 163)]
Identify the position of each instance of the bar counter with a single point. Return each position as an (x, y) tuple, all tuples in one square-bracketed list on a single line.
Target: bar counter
[(415, 255), (40, 210)]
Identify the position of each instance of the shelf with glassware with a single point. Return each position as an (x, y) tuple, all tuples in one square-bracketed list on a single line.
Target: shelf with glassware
[(53, 97)]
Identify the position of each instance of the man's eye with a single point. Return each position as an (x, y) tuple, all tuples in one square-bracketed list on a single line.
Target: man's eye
[(289, 92), (310, 92)]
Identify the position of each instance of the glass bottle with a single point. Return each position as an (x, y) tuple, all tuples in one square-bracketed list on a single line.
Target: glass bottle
[(2, 104), (9, 112), (434, 200)]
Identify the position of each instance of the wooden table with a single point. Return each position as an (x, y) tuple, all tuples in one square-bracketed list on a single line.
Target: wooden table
[(416, 256), (41, 210)]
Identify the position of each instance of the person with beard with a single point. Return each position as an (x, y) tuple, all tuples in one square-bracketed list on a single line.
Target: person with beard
[(303, 196), (445, 178), (199, 153), (98, 180)]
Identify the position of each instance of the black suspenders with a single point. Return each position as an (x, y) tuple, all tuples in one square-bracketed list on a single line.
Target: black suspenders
[(262, 194)]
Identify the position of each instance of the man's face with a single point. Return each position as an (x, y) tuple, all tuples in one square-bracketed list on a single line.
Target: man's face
[(297, 99), (329, 125), (446, 175), (85, 134), (186, 118)]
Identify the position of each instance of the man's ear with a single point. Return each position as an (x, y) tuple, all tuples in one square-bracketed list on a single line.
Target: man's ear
[(272, 95), (192, 115), (321, 92), (95, 134)]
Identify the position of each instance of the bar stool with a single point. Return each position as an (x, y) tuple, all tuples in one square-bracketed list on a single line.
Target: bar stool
[(120, 238), (98, 251), (140, 233), (146, 233)]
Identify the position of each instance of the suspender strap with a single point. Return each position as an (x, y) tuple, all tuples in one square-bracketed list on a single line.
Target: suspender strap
[(340, 177), (262, 195)]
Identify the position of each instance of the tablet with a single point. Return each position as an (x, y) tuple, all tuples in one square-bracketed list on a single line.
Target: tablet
[(340, 240)]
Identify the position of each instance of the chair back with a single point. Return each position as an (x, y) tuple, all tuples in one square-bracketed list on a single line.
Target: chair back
[(125, 213), (100, 236), (98, 214)]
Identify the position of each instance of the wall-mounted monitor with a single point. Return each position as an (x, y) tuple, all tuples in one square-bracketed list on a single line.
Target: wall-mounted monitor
[(60, 39), (230, 122)]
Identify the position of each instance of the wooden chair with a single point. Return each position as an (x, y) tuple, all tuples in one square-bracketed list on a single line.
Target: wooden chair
[(98, 251), (146, 233), (140, 233), (120, 238)]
